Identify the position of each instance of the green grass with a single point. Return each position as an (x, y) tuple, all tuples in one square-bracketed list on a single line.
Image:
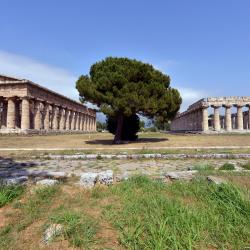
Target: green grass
[(193, 215), (9, 193), (78, 228), (227, 166), (203, 167), (246, 166)]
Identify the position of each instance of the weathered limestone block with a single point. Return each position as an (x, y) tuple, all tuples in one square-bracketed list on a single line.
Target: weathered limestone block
[(181, 175), (47, 182), (216, 180), (51, 232), (88, 180), (14, 180), (106, 177)]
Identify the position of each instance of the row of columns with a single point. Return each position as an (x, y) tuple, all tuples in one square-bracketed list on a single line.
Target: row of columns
[(198, 120), (228, 123), (44, 116)]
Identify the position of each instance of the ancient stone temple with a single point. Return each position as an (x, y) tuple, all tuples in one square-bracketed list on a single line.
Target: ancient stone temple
[(26, 107), (222, 119)]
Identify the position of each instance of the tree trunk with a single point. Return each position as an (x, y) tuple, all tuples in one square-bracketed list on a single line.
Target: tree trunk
[(118, 133)]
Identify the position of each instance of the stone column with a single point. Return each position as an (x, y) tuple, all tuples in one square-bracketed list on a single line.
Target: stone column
[(72, 121), (80, 121), (62, 119), (87, 122), (95, 124), (25, 119), (84, 122), (46, 117), (54, 118), (76, 121), (239, 117), (38, 117), (217, 118), (248, 117), (228, 118), (204, 119), (11, 113), (67, 119), (4, 114)]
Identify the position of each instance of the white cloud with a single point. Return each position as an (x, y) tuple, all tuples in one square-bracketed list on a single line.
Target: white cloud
[(54, 78), (189, 96), (63, 81)]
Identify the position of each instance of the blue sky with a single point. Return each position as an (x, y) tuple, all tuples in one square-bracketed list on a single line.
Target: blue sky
[(203, 45)]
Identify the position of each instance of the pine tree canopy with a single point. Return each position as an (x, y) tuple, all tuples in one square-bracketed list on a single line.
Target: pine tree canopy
[(122, 85)]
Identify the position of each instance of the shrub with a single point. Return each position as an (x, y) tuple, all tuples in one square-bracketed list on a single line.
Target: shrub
[(227, 166), (246, 166)]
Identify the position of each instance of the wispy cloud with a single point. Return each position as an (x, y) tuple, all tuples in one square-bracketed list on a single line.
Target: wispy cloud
[(54, 78), (189, 96)]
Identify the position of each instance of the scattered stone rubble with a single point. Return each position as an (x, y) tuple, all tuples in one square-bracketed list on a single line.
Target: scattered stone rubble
[(47, 182), (14, 180), (51, 232), (88, 180), (181, 175), (216, 180)]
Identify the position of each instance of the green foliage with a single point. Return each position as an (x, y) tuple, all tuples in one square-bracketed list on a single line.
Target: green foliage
[(246, 166), (227, 166), (131, 126), (9, 193), (203, 167), (190, 215), (142, 126), (100, 126), (124, 87), (161, 124), (79, 228)]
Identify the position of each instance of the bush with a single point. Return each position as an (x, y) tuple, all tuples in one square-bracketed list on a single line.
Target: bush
[(246, 166), (131, 126), (227, 166)]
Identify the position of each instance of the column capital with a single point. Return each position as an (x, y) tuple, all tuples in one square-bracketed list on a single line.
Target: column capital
[(216, 106), (25, 98), (205, 106), (227, 105), (239, 105)]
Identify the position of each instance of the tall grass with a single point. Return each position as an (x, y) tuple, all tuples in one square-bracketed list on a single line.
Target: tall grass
[(79, 228), (9, 193), (194, 215)]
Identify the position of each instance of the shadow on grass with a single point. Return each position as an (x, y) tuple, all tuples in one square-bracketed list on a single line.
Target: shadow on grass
[(140, 140)]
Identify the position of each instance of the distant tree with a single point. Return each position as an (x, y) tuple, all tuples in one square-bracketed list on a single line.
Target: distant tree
[(131, 126), (122, 87), (100, 126), (141, 125), (162, 124)]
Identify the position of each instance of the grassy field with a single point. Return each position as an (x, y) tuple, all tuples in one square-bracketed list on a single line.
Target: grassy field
[(104, 140), (136, 214)]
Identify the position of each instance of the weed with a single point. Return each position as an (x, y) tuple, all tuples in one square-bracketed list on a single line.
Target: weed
[(79, 228), (227, 166), (9, 193), (246, 166), (203, 167)]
